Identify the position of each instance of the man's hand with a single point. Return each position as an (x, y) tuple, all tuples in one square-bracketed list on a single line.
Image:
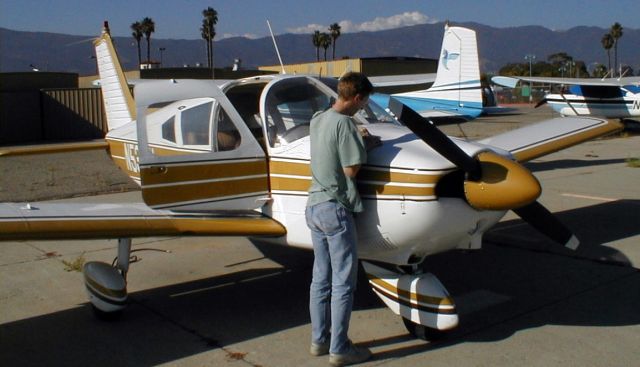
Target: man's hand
[(370, 141)]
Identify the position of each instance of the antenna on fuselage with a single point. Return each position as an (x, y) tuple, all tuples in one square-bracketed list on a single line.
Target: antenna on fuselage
[(276, 47)]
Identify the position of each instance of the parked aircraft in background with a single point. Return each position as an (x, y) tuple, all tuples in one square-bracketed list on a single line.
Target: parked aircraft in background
[(608, 98), (456, 91), (234, 160)]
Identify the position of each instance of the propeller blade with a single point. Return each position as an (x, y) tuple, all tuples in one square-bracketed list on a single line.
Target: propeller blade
[(436, 139), (544, 221), (542, 101)]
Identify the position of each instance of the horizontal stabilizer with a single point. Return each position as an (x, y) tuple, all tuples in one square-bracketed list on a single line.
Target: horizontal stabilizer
[(550, 136), (38, 221)]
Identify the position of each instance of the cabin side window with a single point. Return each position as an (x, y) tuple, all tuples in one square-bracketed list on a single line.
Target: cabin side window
[(227, 135), (195, 124), (169, 129)]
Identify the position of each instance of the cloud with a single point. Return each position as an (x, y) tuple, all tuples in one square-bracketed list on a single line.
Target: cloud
[(378, 24)]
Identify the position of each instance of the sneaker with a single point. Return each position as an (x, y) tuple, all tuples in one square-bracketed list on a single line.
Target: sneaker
[(319, 349), (352, 356)]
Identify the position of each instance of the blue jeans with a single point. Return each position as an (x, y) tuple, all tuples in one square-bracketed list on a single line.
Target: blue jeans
[(335, 269)]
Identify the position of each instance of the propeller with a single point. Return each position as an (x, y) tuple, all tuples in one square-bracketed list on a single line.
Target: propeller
[(492, 182), (540, 103)]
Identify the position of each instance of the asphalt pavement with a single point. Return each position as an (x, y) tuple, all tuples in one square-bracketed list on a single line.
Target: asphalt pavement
[(197, 301)]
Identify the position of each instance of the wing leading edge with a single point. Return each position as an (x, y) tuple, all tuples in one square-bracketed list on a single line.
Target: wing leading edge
[(550, 136), (39, 221)]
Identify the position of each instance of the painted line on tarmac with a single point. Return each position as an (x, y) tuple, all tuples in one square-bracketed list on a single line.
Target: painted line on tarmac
[(596, 198)]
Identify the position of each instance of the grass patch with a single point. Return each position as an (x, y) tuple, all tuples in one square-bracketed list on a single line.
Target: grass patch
[(633, 162), (75, 265)]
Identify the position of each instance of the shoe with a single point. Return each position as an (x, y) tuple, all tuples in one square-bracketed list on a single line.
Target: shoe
[(352, 356), (319, 349)]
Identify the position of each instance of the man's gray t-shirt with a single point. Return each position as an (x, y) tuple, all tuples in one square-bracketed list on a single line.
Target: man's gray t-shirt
[(335, 143)]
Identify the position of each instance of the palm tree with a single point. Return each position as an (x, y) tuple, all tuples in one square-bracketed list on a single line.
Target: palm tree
[(325, 42), (607, 43), (616, 32), (137, 35), (317, 42), (208, 31), (334, 29), (148, 27)]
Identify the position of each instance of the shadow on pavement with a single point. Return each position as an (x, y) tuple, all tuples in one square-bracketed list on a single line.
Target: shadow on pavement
[(499, 291)]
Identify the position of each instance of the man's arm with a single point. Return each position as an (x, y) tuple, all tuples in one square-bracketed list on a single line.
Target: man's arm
[(351, 171)]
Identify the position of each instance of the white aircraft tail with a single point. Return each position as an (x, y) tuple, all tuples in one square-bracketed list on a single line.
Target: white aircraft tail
[(457, 88), (119, 106), (458, 77)]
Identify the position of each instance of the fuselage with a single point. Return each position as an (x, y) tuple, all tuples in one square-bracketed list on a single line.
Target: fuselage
[(609, 102), (406, 215)]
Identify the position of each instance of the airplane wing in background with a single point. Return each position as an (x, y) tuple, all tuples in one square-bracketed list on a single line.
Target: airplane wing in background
[(511, 82), (402, 80), (46, 220), (550, 136)]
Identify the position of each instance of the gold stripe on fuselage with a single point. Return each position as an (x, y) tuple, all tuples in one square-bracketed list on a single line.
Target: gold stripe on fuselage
[(293, 176), (181, 192)]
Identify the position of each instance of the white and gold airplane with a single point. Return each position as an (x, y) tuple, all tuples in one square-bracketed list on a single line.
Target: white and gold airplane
[(234, 161)]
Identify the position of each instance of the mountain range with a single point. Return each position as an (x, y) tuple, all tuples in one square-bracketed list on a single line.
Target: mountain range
[(497, 47)]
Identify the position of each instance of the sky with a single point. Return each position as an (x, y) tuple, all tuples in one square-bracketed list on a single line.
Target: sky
[(181, 19)]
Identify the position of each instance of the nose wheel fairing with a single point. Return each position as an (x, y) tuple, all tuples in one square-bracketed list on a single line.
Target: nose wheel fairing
[(418, 298)]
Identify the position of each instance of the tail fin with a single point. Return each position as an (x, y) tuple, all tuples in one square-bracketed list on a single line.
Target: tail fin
[(118, 101), (456, 89), (458, 75)]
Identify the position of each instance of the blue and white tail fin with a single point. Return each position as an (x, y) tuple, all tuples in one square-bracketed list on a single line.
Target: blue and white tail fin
[(456, 91), (119, 105)]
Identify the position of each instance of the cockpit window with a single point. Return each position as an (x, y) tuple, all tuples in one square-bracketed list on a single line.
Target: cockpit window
[(372, 113), (195, 124)]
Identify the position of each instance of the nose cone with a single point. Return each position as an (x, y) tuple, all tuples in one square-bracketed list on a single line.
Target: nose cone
[(504, 185)]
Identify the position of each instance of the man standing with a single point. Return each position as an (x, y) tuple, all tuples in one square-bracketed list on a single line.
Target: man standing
[(337, 152)]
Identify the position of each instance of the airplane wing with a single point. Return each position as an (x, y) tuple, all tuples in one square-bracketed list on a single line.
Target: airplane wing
[(549, 136), (402, 80), (511, 82), (53, 148), (59, 220)]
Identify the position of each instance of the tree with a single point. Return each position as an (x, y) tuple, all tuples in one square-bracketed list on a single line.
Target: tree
[(607, 43), (616, 33), (137, 35), (599, 71), (317, 42), (148, 27), (325, 42), (334, 30), (208, 31)]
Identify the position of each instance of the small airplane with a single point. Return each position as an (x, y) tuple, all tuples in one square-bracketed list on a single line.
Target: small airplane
[(456, 92), (608, 98), (234, 161)]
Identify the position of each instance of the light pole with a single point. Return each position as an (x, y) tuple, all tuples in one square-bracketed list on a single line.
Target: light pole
[(530, 58), (571, 64), (161, 49)]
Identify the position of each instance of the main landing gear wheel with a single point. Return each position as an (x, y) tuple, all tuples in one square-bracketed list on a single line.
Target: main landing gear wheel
[(422, 332)]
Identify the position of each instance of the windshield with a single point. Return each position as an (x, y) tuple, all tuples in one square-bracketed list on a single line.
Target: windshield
[(372, 113)]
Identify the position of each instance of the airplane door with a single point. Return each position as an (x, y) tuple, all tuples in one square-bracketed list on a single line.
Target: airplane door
[(195, 151)]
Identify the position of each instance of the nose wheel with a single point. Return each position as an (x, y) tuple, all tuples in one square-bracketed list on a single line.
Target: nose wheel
[(422, 332)]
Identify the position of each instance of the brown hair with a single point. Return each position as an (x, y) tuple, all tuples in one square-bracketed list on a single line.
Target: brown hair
[(353, 83)]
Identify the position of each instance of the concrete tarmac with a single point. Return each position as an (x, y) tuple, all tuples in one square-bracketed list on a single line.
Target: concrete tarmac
[(523, 301)]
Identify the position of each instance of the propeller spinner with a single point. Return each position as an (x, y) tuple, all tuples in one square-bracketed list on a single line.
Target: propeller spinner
[(492, 182)]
